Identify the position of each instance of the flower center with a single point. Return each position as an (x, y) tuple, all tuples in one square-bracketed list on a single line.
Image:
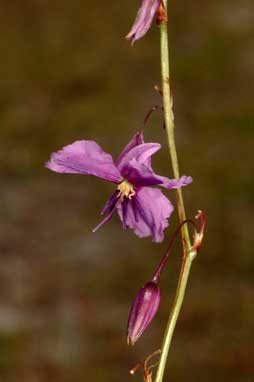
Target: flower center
[(126, 190)]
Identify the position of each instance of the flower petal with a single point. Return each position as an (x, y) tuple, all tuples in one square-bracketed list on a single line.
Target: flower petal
[(136, 140), (176, 183), (84, 157), (141, 175), (141, 153), (143, 20), (147, 213)]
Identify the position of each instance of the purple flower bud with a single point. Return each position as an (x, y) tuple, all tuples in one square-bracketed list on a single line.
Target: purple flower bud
[(144, 19), (143, 311)]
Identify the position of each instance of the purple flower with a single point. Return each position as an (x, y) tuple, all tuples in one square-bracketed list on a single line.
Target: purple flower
[(140, 207), (143, 310), (143, 20)]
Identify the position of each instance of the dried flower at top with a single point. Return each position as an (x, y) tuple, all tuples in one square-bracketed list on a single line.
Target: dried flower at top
[(143, 20)]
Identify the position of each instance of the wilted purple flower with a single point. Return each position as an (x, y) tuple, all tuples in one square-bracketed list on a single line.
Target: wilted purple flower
[(140, 207), (143, 310), (143, 20)]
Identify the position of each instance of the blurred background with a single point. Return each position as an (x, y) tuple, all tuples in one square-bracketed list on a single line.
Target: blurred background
[(67, 73)]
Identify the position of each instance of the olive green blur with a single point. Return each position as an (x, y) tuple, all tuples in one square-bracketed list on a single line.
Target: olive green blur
[(67, 73)]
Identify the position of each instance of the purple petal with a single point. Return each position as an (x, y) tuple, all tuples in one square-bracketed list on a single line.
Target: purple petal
[(131, 218), (177, 183), (174, 183), (124, 210), (143, 20), (141, 175), (147, 213), (84, 157), (136, 140), (141, 153)]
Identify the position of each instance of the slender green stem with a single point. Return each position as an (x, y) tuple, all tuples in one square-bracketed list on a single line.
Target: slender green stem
[(189, 254), (180, 293), (169, 121)]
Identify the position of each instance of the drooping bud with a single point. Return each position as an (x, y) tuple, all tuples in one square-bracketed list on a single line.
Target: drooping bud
[(143, 310), (144, 19)]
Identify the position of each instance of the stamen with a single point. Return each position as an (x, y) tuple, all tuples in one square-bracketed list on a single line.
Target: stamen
[(107, 217), (126, 190), (110, 203)]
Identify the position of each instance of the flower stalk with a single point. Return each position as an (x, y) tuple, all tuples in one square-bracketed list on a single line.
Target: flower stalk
[(169, 120), (189, 251)]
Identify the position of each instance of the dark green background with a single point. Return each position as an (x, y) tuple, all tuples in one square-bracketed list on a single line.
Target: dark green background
[(67, 73)]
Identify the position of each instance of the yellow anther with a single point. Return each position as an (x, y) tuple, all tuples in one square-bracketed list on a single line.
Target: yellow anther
[(126, 190)]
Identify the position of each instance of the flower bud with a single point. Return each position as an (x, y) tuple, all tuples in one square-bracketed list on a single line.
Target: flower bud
[(143, 311)]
